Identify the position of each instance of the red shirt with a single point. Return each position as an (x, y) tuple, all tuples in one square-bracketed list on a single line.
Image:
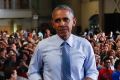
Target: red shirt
[(105, 74)]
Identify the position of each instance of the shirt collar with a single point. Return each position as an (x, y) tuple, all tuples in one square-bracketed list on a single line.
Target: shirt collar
[(69, 40)]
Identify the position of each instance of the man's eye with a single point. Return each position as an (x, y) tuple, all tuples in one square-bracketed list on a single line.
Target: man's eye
[(65, 19), (57, 20)]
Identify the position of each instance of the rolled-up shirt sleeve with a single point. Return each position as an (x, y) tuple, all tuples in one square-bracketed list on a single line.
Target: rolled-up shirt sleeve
[(35, 65), (90, 64)]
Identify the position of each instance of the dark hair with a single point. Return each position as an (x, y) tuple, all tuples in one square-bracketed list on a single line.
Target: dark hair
[(117, 62), (106, 58), (63, 7), (8, 72), (2, 49)]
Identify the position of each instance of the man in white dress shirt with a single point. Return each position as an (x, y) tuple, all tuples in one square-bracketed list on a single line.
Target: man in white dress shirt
[(47, 59)]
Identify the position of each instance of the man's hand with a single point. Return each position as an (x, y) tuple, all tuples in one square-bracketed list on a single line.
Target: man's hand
[(88, 78)]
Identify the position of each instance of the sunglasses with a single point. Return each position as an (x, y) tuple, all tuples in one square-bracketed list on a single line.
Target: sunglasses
[(65, 19)]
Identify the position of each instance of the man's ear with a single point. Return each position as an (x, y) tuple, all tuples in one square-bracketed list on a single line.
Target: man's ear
[(74, 21)]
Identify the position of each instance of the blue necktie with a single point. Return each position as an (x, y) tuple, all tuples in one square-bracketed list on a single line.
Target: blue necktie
[(66, 71)]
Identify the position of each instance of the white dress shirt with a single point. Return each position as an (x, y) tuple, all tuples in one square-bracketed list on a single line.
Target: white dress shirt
[(47, 59)]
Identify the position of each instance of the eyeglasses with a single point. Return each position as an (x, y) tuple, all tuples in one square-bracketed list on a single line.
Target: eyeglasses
[(65, 19)]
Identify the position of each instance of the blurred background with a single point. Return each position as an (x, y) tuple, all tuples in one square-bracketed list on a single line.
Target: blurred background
[(36, 14)]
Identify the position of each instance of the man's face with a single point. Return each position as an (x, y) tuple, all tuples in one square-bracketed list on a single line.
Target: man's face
[(107, 63), (63, 21)]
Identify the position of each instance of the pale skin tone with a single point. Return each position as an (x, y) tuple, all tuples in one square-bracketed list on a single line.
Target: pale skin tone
[(63, 21), (14, 76)]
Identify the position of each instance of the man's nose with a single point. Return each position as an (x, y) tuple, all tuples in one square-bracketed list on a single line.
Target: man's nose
[(62, 22)]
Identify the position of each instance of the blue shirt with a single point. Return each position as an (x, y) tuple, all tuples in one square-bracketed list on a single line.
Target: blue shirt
[(48, 55), (116, 75)]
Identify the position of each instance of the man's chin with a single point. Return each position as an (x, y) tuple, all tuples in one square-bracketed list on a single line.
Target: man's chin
[(64, 36)]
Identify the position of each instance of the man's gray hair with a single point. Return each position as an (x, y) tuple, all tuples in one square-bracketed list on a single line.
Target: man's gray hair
[(63, 7)]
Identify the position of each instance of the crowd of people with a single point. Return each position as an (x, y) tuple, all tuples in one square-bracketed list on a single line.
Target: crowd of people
[(17, 49), (107, 53)]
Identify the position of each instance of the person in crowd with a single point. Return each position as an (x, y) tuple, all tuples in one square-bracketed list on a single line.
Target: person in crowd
[(116, 73), (104, 51), (106, 72), (47, 33), (40, 35), (10, 74), (63, 56), (2, 61), (96, 49), (30, 38), (118, 53), (98, 60), (11, 60), (112, 57), (22, 67)]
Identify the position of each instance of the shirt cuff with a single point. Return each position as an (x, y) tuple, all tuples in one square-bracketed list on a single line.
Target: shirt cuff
[(34, 77), (93, 76)]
